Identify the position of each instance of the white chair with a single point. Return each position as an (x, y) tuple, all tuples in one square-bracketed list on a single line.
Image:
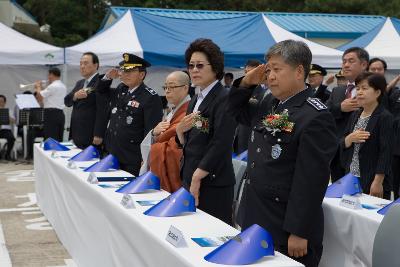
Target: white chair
[(386, 248)]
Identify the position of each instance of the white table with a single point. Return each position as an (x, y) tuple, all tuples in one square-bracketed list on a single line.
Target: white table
[(97, 231), (349, 234)]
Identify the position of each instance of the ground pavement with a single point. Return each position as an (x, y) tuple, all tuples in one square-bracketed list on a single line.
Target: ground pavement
[(26, 237)]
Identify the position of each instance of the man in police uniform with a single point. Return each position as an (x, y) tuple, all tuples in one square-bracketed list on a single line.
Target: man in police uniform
[(135, 110), (316, 79), (288, 162)]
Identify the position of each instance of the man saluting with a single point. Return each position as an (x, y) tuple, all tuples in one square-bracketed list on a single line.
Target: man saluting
[(135, 110), (291, 145)]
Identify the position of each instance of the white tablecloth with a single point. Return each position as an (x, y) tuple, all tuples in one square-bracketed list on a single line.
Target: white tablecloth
[(349, 234), (97, 231)]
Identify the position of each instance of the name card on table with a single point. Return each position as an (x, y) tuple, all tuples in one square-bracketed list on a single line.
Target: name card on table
[(351, 202), (71, 165), (175, 237), (92, 179), (127, 202)]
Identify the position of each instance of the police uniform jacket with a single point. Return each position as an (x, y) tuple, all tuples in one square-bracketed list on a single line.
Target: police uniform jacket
[(132, 116), (322, 93), (88, 116), (210, 151), (287, 173)]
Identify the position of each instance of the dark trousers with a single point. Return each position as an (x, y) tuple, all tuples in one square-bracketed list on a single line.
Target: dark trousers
[(7, 134), (314, 253), (337, 171), (32, 133), (54, 120), (133, 167), (396, 175), (217, 201)]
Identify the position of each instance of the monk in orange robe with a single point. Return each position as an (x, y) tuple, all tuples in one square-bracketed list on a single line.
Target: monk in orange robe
[(165, 156)]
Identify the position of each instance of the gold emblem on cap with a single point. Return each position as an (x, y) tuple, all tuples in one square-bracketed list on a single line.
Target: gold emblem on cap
[(264, 244), (149, 182), (186, 203), (126, 57)]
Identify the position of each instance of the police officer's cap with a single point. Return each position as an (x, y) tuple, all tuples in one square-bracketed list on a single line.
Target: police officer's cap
[(132, 61), (339, 75), (317, 69)]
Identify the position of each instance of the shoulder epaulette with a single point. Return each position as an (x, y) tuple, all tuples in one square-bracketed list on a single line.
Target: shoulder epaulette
[(151, 91), (316, 103)]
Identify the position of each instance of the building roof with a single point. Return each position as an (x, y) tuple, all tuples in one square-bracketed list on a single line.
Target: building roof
[(309, 25)]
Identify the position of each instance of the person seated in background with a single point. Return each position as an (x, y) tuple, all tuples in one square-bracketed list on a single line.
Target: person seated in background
[(228, 80), (165, 155), (316, 79), (367, 142), (6, 130)]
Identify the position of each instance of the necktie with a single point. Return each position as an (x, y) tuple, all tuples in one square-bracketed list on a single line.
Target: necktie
[(85, 84), (350, 87)]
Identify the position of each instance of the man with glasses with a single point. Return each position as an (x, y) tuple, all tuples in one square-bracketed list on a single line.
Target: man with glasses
[(88, 106), (135, 110), (165, 155)]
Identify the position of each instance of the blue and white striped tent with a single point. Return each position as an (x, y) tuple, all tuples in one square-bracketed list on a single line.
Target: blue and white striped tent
[(163, 39), (383, 41)]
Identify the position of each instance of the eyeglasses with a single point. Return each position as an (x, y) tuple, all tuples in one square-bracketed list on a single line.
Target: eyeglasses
[(171, 88), (199, 66)]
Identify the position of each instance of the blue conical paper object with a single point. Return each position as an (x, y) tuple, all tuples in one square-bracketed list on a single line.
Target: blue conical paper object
[(177, 203), (246, 248)]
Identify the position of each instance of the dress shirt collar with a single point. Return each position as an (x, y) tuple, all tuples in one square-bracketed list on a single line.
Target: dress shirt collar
[(203, 93)]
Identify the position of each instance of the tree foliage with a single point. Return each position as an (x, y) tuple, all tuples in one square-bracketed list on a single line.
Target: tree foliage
[(73, 21)]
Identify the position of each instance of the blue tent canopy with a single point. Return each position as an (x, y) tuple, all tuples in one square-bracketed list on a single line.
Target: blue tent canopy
[(240, 38), (163, 39)]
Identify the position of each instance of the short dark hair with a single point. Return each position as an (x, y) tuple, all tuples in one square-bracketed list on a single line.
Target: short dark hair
[(95, 58), (253, 63), (4, 97), (375, 80), (229, 74), (55, 71), (211, 50), (376, 59), (361, 53), (293, 53)]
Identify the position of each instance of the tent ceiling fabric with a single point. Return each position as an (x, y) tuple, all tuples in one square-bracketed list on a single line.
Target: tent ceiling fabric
[(109, 44), (239, 38), (322, 55), (383, 42), (19, 49), (162, 40)]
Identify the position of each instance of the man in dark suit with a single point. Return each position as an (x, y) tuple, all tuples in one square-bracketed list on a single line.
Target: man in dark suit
[(88, 119), (136, 109), (316, 79), (288, 160), (342, 102)]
